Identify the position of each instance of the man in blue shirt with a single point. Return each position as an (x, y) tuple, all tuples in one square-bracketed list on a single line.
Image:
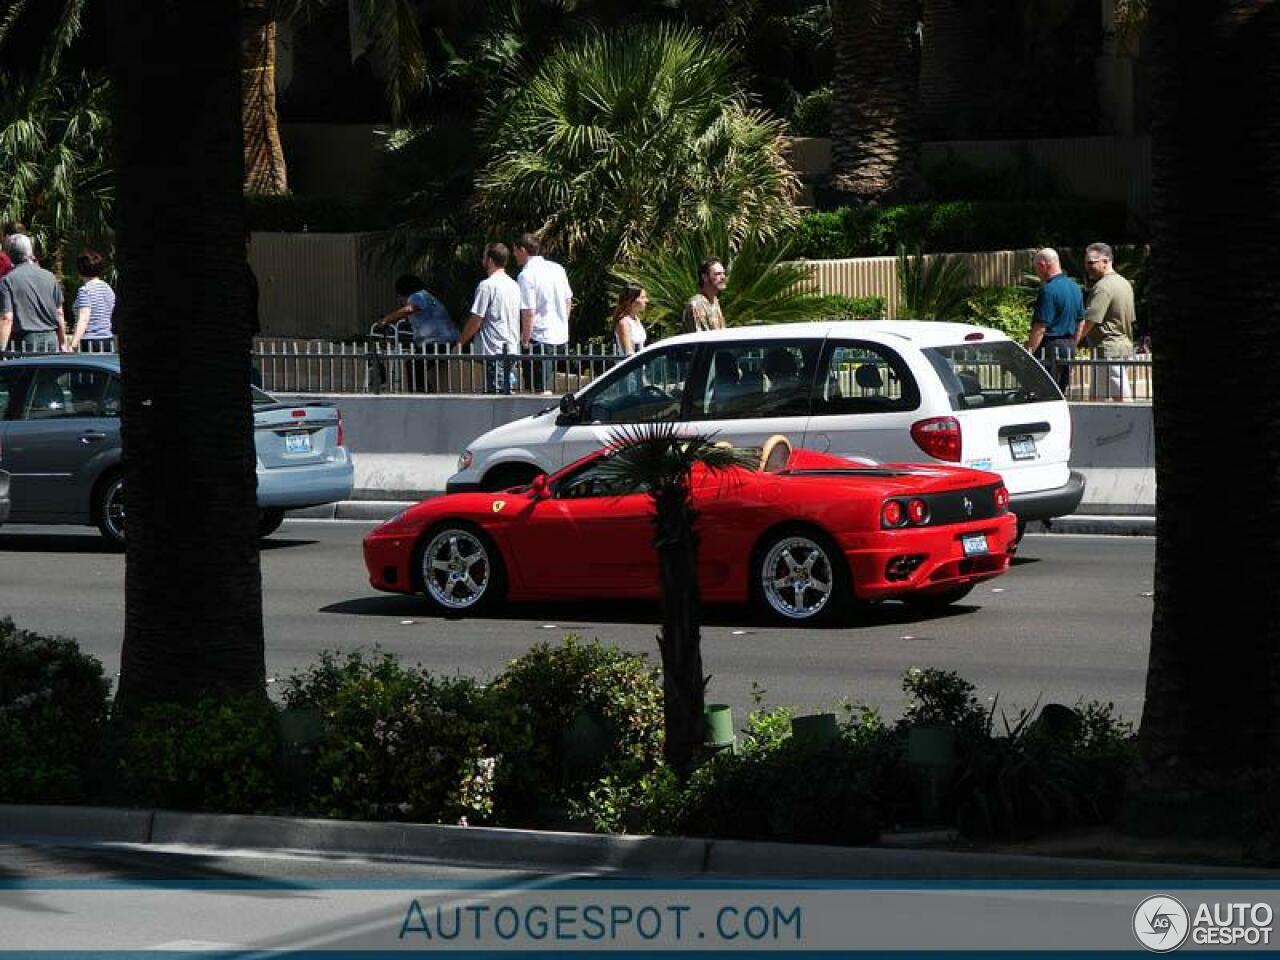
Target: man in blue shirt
[(1056, 317), (434, 331)]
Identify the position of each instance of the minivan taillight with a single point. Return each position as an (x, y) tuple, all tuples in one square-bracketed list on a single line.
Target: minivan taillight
[(939, 437)]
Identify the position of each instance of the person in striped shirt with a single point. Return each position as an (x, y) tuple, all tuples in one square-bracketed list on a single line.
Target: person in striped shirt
[(93, 307)]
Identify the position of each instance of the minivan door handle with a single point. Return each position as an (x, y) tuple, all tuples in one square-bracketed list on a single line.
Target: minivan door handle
[(92, 436)]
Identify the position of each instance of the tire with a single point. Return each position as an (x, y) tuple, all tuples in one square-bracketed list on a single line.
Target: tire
[(458, 568), (938, 601), (507, 476), (108, 508), (269, 521), (799, 576)]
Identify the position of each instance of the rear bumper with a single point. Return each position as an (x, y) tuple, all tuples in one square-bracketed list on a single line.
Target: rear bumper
[(938, 558), (1047, 504), (306, 486)]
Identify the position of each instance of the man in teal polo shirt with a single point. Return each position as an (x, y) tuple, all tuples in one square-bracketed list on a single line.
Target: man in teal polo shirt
[(1056, 317)]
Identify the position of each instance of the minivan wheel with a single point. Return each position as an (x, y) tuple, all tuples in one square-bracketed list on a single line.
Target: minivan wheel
[(459, 568), (801, 577), (110, 509), (269, 521)]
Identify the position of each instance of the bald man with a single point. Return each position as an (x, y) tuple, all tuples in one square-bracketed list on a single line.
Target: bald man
[(1056, 317)]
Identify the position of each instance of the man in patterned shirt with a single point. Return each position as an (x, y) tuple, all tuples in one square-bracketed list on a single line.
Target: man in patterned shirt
[(702, 312)]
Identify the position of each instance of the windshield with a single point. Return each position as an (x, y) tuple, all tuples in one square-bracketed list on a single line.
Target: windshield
[(996, 373)]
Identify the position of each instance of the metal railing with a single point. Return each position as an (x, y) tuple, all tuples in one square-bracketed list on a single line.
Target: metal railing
[(388, 366)]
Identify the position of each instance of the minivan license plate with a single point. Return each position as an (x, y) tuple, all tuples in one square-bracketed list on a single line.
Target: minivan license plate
[(1023, 447), (297, 442), (975, 544)]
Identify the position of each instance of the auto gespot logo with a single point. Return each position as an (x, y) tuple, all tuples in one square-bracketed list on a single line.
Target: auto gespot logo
[(1161, 923)]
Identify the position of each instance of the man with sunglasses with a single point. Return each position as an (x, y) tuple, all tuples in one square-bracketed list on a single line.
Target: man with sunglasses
[(1108, 322)]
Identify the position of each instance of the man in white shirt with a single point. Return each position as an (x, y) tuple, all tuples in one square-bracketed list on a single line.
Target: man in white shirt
[(545, 301), (495, 319)]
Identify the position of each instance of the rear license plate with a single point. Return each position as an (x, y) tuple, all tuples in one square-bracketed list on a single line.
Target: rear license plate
[(975, 544), (297, 442), (1023, 447)]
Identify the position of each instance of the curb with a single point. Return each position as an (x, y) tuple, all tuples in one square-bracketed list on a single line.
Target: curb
[(495, 846), (378, 510)]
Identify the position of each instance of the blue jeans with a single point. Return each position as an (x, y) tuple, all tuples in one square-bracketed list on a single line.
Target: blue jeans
[(1056, 354), (542, 373)]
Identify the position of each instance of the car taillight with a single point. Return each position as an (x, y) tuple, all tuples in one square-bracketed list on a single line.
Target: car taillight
[(939, 437), (917, 511), (1002, 499), (342, 430), (893, 514)]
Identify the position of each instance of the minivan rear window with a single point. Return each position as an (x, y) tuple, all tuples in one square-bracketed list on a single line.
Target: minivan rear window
[(995, 373)]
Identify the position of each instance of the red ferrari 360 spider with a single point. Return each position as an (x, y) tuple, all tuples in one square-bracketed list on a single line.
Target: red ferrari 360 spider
[(801, 536)]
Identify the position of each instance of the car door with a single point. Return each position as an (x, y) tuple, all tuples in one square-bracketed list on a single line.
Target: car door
[(590, 537), (66, 430), (648, 389), (865, 401)]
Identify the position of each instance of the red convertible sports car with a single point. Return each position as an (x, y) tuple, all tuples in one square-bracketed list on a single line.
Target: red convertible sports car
[(801, 536)]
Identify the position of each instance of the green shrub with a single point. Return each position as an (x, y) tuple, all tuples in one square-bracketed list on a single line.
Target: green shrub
[(955, 226), (53, 708), (811, 116), (217, 754), (581, 710), (838, 307), (398, 743), (942, 698), (1004, 308)]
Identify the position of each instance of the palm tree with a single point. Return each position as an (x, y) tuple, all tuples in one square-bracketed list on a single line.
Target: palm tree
[(874, 140), (625, 142), (193, 588), (1212, 704), (659, 458), (764, 286)]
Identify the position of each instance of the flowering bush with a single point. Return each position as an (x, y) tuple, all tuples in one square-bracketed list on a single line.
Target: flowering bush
[(53, 708)]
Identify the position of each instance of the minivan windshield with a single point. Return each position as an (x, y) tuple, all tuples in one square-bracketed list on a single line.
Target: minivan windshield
[(993, 373)]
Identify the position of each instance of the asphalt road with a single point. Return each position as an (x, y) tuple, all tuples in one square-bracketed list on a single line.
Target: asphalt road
[(1071, 620)]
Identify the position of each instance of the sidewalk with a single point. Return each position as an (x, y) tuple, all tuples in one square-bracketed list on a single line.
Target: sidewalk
[(629, 855)]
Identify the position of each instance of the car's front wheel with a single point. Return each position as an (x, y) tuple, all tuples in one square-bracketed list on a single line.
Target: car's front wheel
[(801, 577), (269, 521), (109, 509), (459, 568)]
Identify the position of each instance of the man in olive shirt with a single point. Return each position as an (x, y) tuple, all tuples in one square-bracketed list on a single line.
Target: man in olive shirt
[(703, 311), (1108, 321)]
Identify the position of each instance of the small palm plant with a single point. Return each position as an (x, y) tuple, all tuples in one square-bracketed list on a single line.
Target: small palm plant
[(659, 458), (933, 288)]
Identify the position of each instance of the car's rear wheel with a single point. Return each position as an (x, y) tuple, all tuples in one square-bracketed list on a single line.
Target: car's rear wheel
[(507, 476), (269, 521), (938, 601), (801, 577), (109, 508), (459, 568)]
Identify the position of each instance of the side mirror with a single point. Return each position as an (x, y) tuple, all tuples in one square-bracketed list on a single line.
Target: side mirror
[(569, 407), (540, 489)]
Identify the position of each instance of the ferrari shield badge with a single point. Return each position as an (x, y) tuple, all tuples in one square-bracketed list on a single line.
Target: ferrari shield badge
[(498, 505)]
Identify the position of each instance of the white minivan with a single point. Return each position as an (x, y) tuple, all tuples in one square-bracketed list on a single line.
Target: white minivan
[(889, 391)]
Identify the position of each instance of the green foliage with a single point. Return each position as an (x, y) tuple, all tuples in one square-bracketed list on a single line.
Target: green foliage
[(811, 116), (764, 285), (53, 707), (586, 687), (931, 288), (398, 743), (953, 226), (218, 755), (941, 698), (836, 306), (1004, 308), (627, 141)]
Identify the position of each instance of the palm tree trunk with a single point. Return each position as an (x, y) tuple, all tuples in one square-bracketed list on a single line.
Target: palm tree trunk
[(1213, 681), (264, 166), (683, 685), (193, 593), (875, 146)]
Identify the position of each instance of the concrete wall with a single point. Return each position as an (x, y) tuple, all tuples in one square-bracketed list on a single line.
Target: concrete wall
[(406, 447)]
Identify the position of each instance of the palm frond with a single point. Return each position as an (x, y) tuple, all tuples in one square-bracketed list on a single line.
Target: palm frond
[(661, 456), (931, 288)]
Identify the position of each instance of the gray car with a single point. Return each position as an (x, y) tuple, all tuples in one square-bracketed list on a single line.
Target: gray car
[(60, 446)]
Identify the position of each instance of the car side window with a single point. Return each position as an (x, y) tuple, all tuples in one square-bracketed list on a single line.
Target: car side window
[(865, 378), (10, 384), (592, 481), (758, 379), (651, 389), (58, 393)]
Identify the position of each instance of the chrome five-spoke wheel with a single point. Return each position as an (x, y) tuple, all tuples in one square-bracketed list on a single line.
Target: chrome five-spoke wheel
[(459, 569), (799, 577)]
